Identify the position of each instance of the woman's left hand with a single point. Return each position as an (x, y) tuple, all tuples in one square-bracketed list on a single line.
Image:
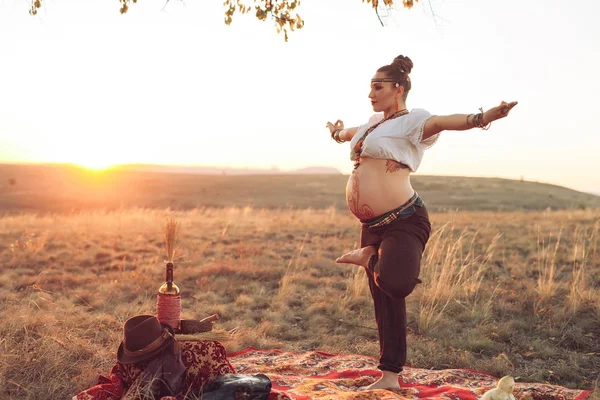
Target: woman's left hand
[(333, 127), (498, 112)]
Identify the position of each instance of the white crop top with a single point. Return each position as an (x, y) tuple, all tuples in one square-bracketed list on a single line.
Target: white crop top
[(398, 139)]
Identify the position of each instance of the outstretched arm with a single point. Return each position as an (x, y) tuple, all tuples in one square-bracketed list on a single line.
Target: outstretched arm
[(462, 122), (341, 134)]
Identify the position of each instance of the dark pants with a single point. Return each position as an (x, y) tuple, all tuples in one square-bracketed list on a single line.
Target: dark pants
[(393, 274)]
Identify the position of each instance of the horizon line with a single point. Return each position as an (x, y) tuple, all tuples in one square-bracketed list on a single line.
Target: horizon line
[(265, 171)]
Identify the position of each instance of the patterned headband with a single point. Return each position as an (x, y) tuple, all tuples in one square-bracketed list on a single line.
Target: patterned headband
[(388, 80)]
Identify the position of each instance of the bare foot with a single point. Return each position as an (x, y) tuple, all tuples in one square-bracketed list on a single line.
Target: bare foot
[(389, 380), (358, 257)]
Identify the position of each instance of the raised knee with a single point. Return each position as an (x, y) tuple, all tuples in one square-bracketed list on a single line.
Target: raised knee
[(402, 289), (405, 289)]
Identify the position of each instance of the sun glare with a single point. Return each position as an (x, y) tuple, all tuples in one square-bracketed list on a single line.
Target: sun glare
[(95, 165), (99, 160)]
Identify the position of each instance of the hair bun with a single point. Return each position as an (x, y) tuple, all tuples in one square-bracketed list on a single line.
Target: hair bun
[(403, 63)]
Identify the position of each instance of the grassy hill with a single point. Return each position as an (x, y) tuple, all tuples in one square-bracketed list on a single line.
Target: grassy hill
[(63, 188)]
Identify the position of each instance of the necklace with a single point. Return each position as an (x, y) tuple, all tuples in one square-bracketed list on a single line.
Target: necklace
[(358, 147)]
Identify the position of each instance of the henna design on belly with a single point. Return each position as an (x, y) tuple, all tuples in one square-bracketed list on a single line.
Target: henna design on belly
[(352, 196), (393, 166)]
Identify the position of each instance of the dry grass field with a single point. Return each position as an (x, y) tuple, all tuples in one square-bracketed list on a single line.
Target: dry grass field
[(503, 293), (513, 292)]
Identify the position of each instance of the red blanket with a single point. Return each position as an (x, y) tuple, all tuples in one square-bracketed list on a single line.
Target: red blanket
[(323, 376), (204, 361)]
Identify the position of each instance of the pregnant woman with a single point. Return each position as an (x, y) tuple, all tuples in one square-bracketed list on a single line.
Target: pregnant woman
[(395, 225)]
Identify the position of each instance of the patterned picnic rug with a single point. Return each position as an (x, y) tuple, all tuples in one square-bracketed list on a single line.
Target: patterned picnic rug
[(318, 375)]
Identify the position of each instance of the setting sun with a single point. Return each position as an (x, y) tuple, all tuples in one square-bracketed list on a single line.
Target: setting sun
[(96, 165), (97, 157)]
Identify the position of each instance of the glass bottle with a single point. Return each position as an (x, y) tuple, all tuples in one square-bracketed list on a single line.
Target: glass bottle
[(169, 287)]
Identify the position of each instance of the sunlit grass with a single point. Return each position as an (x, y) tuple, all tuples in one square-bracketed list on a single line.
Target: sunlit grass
[(498, 294)]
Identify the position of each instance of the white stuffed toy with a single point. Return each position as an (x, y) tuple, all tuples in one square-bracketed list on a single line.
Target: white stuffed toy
[(503, 391)]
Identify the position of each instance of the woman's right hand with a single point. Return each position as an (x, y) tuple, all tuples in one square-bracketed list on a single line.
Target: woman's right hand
[(334, 127)]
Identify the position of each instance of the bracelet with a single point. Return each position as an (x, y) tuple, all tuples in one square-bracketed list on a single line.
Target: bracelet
[(335, 135), (478, 120)]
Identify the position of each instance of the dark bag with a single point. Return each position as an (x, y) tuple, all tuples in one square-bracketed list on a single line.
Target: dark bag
[(164, 375), (238, 386)]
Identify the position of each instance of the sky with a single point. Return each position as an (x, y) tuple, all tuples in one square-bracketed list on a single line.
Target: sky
[(170, 83)]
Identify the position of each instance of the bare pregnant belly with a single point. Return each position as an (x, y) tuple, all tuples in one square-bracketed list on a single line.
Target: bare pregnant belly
[(376, 187)]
